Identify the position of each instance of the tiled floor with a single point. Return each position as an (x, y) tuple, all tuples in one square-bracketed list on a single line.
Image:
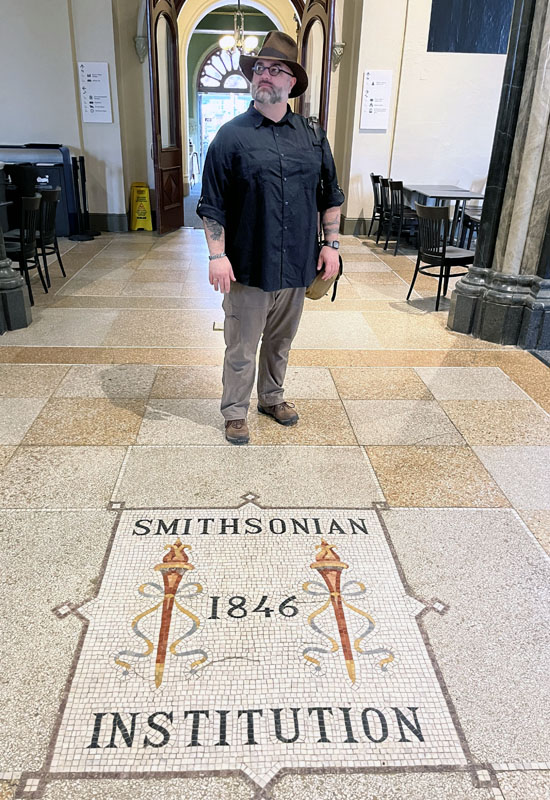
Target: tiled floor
[(422, 460)]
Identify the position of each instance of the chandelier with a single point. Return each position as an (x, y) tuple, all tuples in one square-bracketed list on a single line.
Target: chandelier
[(238, 41)]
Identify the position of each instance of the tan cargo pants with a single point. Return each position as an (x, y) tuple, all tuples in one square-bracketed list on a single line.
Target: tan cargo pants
[(249, 314)]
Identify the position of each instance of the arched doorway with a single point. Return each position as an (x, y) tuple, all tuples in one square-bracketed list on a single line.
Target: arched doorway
[(222, 93), (200, 26), (216, 89)]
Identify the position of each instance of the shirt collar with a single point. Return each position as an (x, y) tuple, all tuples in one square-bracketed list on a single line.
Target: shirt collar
[(259, 118)]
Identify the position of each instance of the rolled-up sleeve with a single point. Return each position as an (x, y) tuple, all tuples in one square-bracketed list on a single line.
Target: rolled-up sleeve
[(215, 182), (331, 194)]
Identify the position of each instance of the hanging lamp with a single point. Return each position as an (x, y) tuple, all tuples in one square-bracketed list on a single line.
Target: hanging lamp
[(238, 42)]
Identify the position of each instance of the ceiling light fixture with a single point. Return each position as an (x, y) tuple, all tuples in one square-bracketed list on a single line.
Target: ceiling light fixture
[(238, 41)]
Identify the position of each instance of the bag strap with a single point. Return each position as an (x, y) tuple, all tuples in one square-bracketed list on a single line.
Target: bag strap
[(335, 284), (314, 125)]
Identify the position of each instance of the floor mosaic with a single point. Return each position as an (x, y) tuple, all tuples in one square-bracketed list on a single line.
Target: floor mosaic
[(214, 648), (370, 620)]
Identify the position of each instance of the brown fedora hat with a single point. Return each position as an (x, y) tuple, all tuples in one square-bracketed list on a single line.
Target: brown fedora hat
[(278, 46)]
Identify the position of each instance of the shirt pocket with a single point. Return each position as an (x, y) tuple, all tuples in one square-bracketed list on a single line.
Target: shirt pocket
[(254, 165), (310, 164)]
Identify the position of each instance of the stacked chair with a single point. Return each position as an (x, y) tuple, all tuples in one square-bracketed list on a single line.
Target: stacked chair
[(394, 217), (377, 208), (401, 218), (471, 223)]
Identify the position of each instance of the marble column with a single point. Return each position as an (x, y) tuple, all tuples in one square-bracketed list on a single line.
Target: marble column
[(504, 298)]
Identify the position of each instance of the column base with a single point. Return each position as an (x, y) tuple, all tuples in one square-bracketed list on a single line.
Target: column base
[(535, 326), (16, 308), (504, 309)]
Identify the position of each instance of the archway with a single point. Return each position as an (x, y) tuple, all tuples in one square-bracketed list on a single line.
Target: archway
[(282, 14)]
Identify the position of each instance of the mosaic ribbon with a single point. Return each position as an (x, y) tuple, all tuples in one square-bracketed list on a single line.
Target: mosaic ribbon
[(346, 591), (150, 590)]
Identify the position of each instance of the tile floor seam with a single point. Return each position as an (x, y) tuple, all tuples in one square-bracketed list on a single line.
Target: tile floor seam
[(454, 426), (502, 447), (530, 532), (374, 476), (427, 509), (121, 472), (224, 446), (346, 412), (79, 270)]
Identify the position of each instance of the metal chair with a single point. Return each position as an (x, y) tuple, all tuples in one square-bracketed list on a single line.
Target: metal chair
[(433, 250), (25, 249), (377, 208), (401, 217)]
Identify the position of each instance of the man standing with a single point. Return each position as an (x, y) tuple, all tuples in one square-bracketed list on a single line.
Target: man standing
[(266, 176)]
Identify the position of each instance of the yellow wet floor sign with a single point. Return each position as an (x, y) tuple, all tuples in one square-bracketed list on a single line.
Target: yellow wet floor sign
[(140, 208)]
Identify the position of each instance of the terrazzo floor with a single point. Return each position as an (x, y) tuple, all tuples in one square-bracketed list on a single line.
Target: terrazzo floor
[(364, 600)]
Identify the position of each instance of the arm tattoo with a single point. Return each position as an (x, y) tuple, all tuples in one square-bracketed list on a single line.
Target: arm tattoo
[(331, 221), (214, 228)]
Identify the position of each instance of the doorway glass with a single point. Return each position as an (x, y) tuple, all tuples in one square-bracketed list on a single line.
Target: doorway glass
[(314, 45), (166, 89), (216, 109)]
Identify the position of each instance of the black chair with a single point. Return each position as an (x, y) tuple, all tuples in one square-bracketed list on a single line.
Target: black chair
[(377, 208), (433, 250), (47, 240), (401, 218), (471, 223), (385, 202), (25, 249)]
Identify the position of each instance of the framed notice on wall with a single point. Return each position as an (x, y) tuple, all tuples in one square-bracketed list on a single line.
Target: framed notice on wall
[(375, 100), (95, 91)]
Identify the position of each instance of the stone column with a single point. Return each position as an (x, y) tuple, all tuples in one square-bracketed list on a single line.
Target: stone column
[(15, 309), (505, 296)]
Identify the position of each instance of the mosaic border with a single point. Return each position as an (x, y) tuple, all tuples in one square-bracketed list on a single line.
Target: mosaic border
[(32, 784)]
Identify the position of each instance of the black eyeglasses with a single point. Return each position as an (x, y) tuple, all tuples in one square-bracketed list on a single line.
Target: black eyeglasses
[(273, 70)]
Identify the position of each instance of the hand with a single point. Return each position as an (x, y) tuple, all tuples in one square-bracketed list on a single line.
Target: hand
[(328, 258), (220, 274)]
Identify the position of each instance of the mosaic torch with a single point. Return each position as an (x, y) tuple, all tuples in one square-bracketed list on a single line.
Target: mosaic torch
[(328, 563), (173, 566)]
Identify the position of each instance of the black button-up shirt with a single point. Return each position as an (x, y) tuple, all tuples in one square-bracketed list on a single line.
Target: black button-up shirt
[(265, 182)]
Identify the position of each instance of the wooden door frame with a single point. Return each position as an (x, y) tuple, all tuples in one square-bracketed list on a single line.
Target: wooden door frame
[(323, 11), (174, 154)]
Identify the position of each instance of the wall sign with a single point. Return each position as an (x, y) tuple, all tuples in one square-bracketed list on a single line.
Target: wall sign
[(250, 640), (375, 101), (95, 91)]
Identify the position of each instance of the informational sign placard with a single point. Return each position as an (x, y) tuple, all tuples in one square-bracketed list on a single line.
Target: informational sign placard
[(95, 91), (375, 102)]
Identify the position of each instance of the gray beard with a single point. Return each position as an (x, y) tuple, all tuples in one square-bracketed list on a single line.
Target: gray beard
[(264, 95)]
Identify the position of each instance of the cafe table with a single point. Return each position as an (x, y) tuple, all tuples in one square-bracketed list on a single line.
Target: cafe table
[(443, 194)]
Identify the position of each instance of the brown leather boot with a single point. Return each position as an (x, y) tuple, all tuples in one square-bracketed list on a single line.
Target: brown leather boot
[(236, 431), (283, 413)]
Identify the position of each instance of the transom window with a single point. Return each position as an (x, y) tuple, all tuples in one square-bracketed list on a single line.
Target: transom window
[(220, 73)]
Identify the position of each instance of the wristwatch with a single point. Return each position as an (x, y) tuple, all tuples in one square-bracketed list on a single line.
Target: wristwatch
[(335, 244)]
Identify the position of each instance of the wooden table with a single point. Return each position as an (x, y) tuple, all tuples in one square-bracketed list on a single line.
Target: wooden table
[(443, 194)]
